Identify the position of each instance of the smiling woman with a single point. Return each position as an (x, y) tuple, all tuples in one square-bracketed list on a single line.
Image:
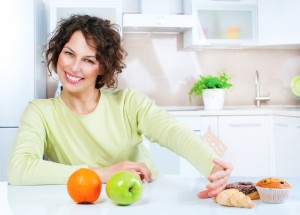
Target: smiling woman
[(92, 125), (105, 41), (78, 69), (77, 64)]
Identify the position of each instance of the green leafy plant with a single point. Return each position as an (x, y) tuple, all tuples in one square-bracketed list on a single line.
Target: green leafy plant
[(220, 81)]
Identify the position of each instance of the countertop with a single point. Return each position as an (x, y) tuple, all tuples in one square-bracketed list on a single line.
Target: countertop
[(276, 110), (168, 195)]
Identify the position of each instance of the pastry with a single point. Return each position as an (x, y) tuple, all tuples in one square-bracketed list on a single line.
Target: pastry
[(234, 198), (273, 183), (248, 188), (273, 190)]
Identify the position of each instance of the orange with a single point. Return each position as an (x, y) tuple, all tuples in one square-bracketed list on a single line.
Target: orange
[(84, 186)]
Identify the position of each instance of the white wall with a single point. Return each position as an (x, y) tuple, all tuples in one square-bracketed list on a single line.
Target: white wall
[(158, 66)]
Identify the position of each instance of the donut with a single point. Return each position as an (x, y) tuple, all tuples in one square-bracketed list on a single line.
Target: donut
[(248, 188)]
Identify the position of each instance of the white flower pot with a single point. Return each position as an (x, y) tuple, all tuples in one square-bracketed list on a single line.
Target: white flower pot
[(213, 99)]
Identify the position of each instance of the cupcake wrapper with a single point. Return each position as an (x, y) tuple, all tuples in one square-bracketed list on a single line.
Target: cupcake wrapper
[(272, 195)]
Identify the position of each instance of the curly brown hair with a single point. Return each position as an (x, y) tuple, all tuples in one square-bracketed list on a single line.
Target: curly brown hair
[(105, 35)]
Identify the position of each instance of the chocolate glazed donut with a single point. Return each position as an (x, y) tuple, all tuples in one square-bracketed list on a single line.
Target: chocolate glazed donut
[(248, 188)]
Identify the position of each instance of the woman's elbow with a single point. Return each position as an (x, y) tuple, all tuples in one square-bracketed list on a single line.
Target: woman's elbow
[(16, 174)]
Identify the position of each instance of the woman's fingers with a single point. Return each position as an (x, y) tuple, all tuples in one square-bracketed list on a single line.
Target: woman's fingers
[(144, 172), (217, 183), (140, 169), (203, 194), (215, 191), (221, 170), (219, 177)]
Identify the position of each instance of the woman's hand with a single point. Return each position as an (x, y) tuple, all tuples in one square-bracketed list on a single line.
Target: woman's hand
[(219, 177), (139, 168)]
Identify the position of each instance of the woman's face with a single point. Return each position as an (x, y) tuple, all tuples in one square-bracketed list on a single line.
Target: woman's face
[(77, 66)]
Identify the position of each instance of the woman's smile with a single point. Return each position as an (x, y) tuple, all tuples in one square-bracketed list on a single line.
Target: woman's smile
[(72, 78)]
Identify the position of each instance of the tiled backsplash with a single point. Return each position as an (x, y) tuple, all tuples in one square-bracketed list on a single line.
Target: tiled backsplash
[(159, 67)]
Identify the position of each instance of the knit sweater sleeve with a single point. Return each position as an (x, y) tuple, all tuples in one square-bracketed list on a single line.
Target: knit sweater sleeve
[(162, 128), (26, 164)]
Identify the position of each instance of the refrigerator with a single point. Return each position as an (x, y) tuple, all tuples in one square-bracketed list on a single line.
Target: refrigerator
[(22, 69)]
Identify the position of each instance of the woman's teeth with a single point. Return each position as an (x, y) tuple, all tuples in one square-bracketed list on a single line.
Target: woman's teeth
[(72, 78)]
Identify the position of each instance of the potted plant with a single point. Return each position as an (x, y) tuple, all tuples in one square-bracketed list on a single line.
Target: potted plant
[(212, 89)]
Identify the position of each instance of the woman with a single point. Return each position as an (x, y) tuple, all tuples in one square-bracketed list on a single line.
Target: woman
[(89, 125)]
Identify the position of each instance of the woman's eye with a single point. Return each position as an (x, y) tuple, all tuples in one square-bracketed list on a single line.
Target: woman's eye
[(89, 61), (68, 53)]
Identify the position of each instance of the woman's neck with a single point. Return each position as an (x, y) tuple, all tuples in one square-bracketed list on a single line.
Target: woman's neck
[(81, 103)]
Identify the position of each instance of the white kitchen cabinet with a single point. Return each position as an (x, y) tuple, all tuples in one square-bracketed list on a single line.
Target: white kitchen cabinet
[(7, 136), (278, 23), (258, 145), (248, 142), (286, 146), (221, 23), (106, 9)]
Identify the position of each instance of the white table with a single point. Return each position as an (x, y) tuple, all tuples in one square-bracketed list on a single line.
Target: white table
[(168, 195)]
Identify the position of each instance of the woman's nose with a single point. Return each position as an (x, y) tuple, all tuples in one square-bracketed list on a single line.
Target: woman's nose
[(76, 66)]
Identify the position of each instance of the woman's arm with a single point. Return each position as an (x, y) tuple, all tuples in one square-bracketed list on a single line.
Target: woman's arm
[(159, 126), (26, 165)]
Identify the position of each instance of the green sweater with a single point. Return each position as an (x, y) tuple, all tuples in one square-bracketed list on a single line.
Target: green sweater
[(112, 133)]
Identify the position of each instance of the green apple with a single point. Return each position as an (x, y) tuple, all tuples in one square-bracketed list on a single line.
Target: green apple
[(124, 188)]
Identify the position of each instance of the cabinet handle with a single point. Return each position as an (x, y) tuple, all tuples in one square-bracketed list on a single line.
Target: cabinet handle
[(281, 125), (198, 132), (246, 125)]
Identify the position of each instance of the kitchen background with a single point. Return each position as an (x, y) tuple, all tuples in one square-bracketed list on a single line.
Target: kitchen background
[(164, 67), (159, 66)]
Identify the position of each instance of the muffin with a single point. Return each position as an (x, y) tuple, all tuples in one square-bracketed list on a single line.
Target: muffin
[(273, 190)]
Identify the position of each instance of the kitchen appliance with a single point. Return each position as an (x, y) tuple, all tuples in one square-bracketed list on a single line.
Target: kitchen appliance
[(22, 69)]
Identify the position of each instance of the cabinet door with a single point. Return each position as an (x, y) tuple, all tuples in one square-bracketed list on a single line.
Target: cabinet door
[(248, 142), (7, 136), (222, 23), (287, 146), (278, 22), (106, 9)]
